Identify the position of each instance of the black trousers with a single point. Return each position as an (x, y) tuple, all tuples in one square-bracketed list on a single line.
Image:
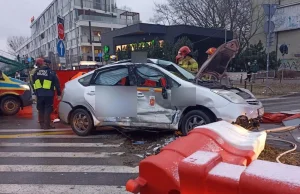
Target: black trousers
[(44, 105)]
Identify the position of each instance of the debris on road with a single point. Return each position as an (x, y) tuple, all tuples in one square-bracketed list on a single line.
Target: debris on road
[(270, 153), (292, 121), (147, 143)]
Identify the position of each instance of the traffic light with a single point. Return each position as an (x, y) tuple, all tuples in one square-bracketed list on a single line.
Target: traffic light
[(106, 53), (106, 56)]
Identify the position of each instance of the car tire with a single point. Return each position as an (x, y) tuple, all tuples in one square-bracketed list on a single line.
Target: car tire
[(193, 119), (10, 105), (81, 122)]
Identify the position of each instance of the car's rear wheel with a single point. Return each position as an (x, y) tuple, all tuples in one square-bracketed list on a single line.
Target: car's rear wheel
[(81, 122), (10, 105), (194, 119)]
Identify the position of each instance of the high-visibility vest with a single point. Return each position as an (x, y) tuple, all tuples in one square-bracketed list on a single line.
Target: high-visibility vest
[(46, 84), (189, 64), (46, 80)]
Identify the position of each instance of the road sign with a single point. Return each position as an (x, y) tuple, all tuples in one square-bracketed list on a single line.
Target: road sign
[(60, 28), (60, 20), (61, 31), (62, 60), (269, 9), (269, 27), (61, 48), (284, 49)]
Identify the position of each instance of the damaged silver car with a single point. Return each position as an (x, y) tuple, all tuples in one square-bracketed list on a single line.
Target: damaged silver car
[(157, 104)]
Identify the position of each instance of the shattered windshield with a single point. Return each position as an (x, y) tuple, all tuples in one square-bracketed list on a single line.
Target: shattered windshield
[(176, 70)]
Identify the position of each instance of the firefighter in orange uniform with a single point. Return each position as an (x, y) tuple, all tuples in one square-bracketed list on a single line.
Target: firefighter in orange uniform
[(186, 61), (210, 52)]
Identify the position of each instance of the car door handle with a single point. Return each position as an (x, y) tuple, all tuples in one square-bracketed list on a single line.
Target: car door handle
[(91, 93)]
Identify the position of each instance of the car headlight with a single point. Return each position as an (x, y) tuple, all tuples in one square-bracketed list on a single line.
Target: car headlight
[(25, 87), (230, 96)]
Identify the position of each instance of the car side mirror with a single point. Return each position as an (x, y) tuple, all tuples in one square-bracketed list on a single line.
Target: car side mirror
[(164, 93)]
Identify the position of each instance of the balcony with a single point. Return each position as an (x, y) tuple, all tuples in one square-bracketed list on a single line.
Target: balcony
[(107, 20), (86, 39), (94, 5)]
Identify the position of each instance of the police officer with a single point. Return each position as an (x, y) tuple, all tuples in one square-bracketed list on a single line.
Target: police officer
[(45, 82), (39, 63)]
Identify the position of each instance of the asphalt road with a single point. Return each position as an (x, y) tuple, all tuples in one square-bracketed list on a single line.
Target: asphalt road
[(36, 161), (281, 104), (58, 161)]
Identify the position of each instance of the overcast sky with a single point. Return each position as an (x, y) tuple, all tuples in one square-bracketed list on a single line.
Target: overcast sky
[(15, 15)]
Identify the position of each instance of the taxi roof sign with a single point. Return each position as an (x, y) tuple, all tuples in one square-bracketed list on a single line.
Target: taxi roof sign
[(139, 57)]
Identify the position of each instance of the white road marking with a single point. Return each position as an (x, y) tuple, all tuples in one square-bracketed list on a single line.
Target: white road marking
[(68, 168), (59, 145), (60, 154), (62, 189), (34, 130)]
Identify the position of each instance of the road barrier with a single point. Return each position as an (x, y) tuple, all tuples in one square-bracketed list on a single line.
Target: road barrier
[(182, 165), (277, 118), (203, 172), (64, 76)]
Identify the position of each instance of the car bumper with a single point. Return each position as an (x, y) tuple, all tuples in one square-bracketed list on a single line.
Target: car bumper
[(232, 111), (26, 98), (64, 111)]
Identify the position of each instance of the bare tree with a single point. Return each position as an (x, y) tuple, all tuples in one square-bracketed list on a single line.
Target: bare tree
[(239, 16), (14, 42)]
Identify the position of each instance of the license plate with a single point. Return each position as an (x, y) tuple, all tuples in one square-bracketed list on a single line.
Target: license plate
[(260, 111)]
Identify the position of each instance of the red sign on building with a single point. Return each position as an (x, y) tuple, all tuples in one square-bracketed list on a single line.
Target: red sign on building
[(61, 31)]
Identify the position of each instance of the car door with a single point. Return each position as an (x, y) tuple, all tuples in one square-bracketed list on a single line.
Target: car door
[(89, 91), (154, 97), (106, 94)]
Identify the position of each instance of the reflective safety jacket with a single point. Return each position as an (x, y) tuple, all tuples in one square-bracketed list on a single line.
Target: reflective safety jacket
[(45, 82), (31, 73), (189, 64)]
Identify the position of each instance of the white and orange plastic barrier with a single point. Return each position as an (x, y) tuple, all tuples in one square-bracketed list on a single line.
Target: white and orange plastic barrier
[(64, 76), (213, 159)]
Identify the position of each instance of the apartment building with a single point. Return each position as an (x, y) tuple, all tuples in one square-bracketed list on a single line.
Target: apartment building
[(287, 30), (84, 22)]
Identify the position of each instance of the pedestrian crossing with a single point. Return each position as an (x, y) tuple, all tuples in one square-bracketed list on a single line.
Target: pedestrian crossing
[(44, 162)]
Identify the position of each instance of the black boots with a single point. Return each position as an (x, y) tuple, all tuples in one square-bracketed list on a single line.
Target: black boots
[(45, 126)]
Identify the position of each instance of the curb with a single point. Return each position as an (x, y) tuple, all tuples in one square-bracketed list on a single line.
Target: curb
[(279, 97)]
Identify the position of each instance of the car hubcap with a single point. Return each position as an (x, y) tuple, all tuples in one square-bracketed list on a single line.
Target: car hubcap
[(81, 122), (194, 121), (10, 106)]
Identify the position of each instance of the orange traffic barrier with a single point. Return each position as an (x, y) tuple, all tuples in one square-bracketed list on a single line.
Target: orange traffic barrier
[(26, 112), (274, 117), (295, 116), (64, 76), (203, 172), (232, 144)]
